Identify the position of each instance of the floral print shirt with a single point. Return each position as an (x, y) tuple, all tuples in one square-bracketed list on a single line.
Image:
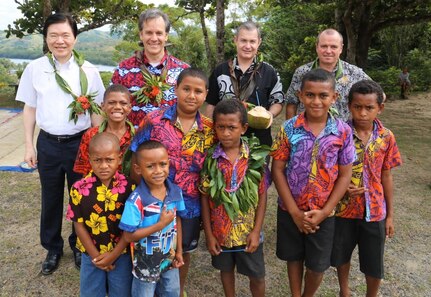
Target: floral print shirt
[(82, 163), (345, 76), (129, 74), (186, 151), (380, 153), (233, 233), (99, 208), (312, 162)]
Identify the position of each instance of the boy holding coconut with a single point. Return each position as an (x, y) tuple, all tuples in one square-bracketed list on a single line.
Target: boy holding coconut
[(234, 184)]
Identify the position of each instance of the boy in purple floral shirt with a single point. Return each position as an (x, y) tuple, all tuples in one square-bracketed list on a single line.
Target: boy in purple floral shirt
[(312, 167), (95, 207)]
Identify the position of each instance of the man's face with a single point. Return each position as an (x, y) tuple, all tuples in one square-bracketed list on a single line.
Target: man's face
[(60, 41), (247, 43), (329, 48), (154, 37)]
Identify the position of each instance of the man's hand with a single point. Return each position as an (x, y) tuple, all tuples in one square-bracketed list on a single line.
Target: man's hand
[(252, 242), (353, 190), (30, 157), (166, 216), (212, 245)]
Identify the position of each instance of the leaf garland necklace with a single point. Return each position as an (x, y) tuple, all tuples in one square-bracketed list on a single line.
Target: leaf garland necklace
[(83, 103), (246, 194), (154, 85)]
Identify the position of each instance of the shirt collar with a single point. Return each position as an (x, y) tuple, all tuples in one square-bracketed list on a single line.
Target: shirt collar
[(173, 192), (66, 65), (171, 114), (244, 151), (250, 69), (337, 71), (377, 128), (142, 58), (330, 128)]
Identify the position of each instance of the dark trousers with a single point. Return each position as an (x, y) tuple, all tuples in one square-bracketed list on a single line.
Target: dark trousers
[(55, 162)]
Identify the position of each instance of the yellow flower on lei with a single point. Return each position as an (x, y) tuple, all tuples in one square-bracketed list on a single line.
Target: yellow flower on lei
[(97, 224), (76, 197)]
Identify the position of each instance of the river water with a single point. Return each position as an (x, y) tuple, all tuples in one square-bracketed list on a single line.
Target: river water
[(100, 67)]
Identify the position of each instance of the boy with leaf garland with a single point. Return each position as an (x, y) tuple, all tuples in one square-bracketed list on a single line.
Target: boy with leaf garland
[(234, 182)]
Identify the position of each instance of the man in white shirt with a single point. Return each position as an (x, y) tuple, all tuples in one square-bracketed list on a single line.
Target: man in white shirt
[(46, 104)]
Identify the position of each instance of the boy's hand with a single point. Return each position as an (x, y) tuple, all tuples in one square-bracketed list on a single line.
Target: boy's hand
[(313, 218), (252, 242), (389, 226), (298, 218), (178, 261), (213, 245), (104, 262), (353, 190), (166, 216)]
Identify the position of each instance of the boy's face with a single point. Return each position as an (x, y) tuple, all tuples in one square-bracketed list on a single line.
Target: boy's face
[(153, 166), (229, 129), (116, 106), (317, 97), (364, 109), (104, 160), (191, 94)]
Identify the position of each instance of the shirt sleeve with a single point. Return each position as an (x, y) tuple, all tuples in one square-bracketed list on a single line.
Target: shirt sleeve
[(393, 156), (277, 95), (213, 90), (347, 153), (82, 162), (292, 91), (26, 92), (132, 214), (281, 147)]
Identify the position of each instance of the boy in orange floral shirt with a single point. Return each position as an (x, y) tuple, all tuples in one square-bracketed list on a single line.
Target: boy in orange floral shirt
[(116, 106), (95, 207), (365, 215)]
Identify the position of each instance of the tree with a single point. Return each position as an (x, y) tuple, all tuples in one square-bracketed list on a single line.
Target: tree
[(220, 33), (199, 7), (89, 14)]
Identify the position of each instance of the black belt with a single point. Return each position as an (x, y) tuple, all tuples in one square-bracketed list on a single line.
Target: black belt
[(62, 138)]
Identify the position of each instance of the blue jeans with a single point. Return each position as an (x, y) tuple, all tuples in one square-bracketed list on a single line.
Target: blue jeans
[(96, 282), (167, 286)]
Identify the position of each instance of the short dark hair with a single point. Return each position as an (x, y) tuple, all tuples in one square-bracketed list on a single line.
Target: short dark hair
[(366, 86), (231, 106), (116, 88), (149, 145), (318, 75), (100, 139), (193, 72), (58, 18), (154, 13)]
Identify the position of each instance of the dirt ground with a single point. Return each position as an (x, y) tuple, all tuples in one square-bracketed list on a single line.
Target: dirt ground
[(407, 256)]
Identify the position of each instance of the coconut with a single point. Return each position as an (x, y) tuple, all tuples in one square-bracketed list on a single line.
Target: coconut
[(259, 118)]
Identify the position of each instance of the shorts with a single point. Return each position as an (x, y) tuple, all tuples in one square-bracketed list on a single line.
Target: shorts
[(370, 238), (249, 264), (314, 249), (191, 229)]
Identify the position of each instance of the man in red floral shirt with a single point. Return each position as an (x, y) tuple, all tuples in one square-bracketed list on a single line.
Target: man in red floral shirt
[(151, 74)]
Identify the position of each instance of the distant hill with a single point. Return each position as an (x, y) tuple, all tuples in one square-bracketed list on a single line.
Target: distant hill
[(96, 46)]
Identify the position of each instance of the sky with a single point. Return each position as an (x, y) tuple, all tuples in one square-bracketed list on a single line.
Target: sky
[(9, 11)]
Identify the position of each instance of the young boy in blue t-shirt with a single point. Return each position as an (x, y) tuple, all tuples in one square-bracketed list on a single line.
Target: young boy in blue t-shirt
[(150, 222)]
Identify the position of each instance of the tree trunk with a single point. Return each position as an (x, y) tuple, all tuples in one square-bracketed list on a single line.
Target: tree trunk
[(210, 58), (363, 45), (220, 7), (349, 27), (64, 6), (46, 12)]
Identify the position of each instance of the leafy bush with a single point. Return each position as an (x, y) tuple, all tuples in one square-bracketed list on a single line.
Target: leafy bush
[(387, 78), (419, 64), (106, 77)]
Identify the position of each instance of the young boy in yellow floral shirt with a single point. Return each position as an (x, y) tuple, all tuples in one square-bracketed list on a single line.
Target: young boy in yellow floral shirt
[(95, 207)]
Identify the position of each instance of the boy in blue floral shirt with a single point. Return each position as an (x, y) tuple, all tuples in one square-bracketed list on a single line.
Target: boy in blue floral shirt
[(95, 206)]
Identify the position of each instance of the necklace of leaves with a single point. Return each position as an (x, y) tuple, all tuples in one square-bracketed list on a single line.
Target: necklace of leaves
[(83, 103), (154, 85), (246, 194)]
